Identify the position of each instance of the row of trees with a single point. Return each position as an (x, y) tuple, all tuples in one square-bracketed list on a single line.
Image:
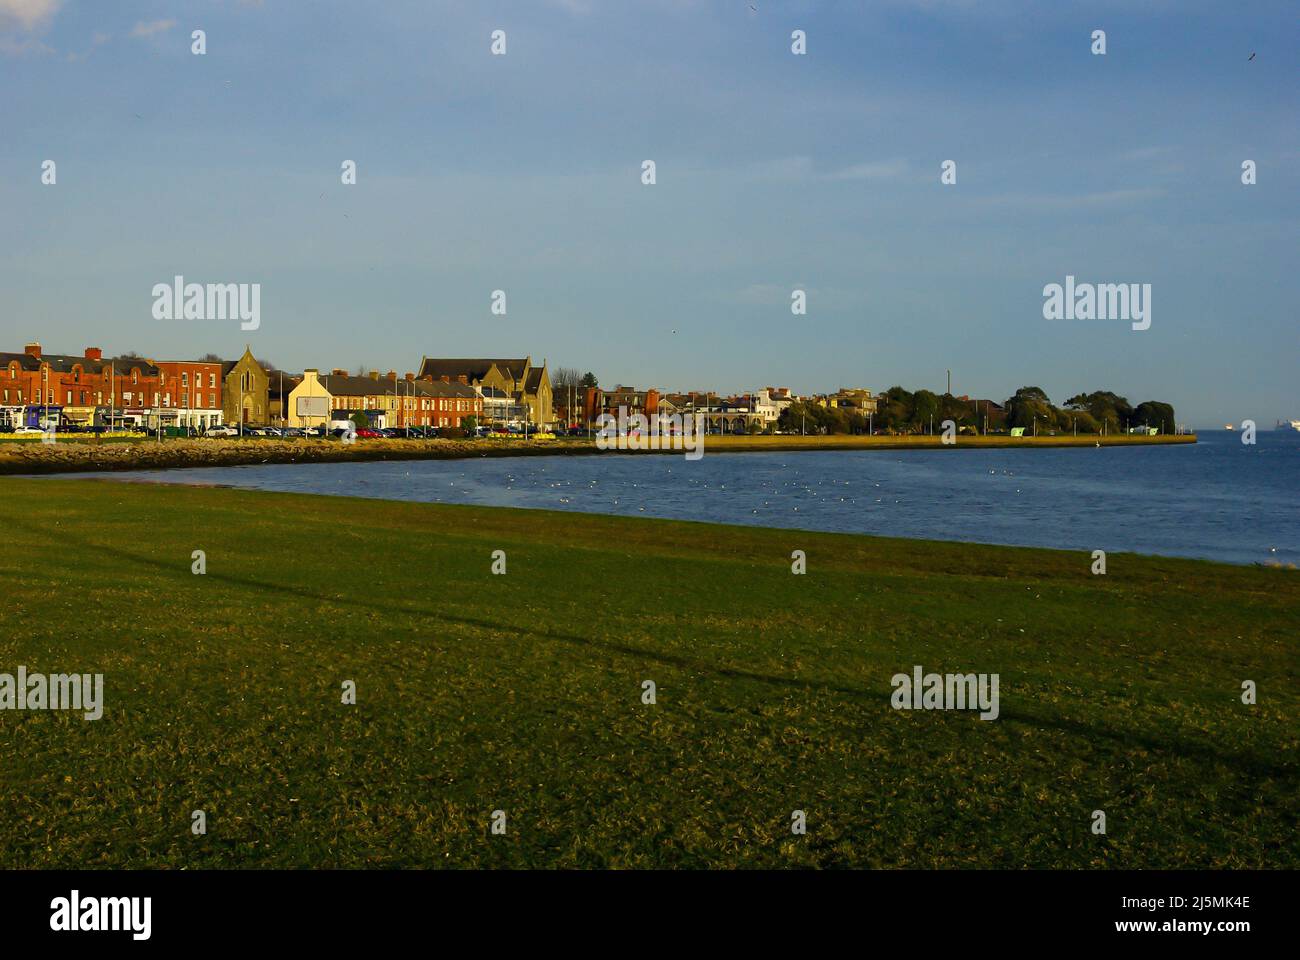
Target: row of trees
[(903, 411), (1097, 412)]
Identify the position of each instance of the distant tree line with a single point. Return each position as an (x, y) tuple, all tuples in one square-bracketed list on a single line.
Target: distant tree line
[(1094, 412), (901, 411)]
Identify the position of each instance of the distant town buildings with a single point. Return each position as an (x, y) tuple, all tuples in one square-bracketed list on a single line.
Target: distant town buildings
[(193, 395), (248, 398), (524, 385), (89, 390), (855, 400), (386, 401)]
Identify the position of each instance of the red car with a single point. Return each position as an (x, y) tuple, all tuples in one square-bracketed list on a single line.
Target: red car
[(365, 433)]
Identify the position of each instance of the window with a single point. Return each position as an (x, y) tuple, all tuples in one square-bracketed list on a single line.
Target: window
[(212, 399), (185, 398), (212, 379), (185, 379)]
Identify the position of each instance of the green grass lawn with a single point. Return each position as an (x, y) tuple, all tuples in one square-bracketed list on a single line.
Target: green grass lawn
[(523, 693)]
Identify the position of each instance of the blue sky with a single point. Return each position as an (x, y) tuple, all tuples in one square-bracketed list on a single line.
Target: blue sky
[(775, 172)]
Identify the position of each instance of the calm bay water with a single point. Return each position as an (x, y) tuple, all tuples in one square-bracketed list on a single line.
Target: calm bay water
[(1218, 499)]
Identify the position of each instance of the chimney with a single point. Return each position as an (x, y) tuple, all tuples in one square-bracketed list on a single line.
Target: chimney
[(410, 377), (445, 379), (33, 350), (338, 373), (374, 375), (94, 353), (392, 374), (463, 379)]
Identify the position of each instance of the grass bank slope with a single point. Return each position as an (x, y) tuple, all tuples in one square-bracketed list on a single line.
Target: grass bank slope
[(523, 693)]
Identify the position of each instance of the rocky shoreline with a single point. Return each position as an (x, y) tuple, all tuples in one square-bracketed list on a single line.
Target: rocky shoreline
[(82, 456), (87, 456)]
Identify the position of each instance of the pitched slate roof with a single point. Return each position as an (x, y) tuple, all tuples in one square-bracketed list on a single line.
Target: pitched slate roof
[(474, 369), (534, 381), (346, 386), (273, 383), (63, 363), (439, 388)]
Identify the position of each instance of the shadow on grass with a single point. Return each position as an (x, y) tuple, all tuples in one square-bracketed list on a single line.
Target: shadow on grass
[(1246, 761)]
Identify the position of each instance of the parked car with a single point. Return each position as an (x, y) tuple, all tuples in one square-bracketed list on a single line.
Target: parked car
[(365, 433), (221, 431)]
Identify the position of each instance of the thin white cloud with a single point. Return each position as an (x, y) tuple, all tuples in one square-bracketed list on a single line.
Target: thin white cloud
[(17, 48), (151, 27), (878, 170), (27, 13), (1078, 201)]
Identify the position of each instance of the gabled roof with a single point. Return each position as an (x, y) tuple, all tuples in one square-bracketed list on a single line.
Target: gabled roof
[(439, 388), (228, 365), (347, 386), (63, 363), (273, 382), (472, 368)]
